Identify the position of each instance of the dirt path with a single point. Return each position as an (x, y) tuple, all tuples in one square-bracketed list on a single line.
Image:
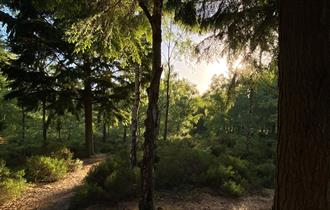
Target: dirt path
[(53, 196)]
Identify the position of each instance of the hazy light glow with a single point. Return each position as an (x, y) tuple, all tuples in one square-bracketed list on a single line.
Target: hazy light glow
[(201, 73)]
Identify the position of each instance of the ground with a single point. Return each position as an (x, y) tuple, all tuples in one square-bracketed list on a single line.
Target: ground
[(200, 201), (56, 196), (52, 196)]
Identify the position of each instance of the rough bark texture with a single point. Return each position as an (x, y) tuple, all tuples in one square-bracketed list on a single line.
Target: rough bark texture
[(151, 122), (303, 162), (135, 116), (88, 106)]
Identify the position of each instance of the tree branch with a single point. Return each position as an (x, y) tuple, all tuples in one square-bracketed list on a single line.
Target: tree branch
[(145, 10), (6, 18)]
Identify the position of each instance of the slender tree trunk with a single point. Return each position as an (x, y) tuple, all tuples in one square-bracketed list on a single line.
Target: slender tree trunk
[(167, 105), (44, 126), (250, 115), (135, 116), (88, 106), (104, 135), (125, 134), (151, 122), (303, 153)]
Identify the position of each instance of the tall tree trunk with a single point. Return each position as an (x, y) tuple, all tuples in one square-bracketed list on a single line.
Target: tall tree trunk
[(135, 116), (151, 122), (44, 126), (250, 115), (303, 153), (88, 106), (167, 105), (125, 134)]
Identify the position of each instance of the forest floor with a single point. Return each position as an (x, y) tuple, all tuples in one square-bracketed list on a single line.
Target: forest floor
[(52, 196), (200, 200), (56, 196)]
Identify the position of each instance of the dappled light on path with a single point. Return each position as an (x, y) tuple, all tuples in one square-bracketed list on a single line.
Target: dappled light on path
[(52, 196)]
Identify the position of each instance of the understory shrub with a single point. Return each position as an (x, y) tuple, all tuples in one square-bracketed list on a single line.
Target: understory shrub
[(112, 181), (46, 169), (74, 165), (180, 166), (231, 188), (12, 184), (63, 153)]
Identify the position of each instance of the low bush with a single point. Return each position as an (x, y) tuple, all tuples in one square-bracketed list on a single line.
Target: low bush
[(181, 166), (62, 153), (112, 180), (231, 188), (12, 184), (178, 165), (46, 169), (74, 165)]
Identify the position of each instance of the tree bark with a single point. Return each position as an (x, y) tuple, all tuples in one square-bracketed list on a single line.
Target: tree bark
[(88, 106), (135, 116), (303, 153), (151, 122), (167, 105)]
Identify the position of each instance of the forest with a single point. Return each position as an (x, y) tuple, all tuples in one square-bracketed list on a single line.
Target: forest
[(95, 113)]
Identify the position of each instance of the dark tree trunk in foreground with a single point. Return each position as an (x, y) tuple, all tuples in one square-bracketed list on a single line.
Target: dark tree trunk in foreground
[(303, 162), (135, 116), (151, 123), (88, 106)]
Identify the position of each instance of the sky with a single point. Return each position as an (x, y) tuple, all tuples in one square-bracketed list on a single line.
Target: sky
[(201, 73), (198, 73)]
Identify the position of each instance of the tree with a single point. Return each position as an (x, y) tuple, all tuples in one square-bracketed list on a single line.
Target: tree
[(303, 165), (246, 28), (152, 123), (183, 107), (57, 73), (177, 45)]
